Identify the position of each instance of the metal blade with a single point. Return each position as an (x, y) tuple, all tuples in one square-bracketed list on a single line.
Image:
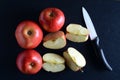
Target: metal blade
[(89, 24)]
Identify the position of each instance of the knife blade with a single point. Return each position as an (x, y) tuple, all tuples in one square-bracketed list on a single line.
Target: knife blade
[(95, 39)]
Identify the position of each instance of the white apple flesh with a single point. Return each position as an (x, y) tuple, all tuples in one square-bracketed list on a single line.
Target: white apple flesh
[(53, 67), (56, 40), (77, 33), (74, 59), (53, 62), (76, 38)]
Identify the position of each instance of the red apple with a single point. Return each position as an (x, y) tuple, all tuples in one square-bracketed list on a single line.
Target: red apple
[(29, 62), (52, 19), (28, 34)]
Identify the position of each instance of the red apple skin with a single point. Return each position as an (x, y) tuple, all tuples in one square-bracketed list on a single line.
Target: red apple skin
[(29, 62), (28, 34), (52, 19)]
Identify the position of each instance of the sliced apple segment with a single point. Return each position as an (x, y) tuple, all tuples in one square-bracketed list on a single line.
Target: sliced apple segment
[(77, 33), (53, 62), (56, 40), (53, 58), (53, 67), (77, 29), (74, 59), (76, 38)]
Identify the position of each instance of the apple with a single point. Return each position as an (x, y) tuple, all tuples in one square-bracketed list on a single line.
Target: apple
[(53, 62), (74, 59), (52, 19), (28, 34), (29, 62), (54, 40), (77, 33)]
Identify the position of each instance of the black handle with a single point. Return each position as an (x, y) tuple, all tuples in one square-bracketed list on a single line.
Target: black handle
[(99, 52)]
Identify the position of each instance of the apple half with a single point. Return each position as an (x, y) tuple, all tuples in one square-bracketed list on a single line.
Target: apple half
[(77, 33), (53, 62), (74, 59), (55, 40)]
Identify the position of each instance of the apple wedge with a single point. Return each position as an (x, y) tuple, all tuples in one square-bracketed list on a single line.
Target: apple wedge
[(77, 33), (53, 62), (55, 40), (74, 59)]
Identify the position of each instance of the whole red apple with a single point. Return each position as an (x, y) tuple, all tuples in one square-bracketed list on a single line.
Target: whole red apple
[(28, 34), (52, 19), (29, 62)]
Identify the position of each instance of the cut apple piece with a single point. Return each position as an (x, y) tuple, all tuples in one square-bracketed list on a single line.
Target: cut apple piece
[(53, 58), (74, 59), (77, 33), (53, 67), (77, 29), (76, 38), (56, 40), (72, 65), (53, 62)]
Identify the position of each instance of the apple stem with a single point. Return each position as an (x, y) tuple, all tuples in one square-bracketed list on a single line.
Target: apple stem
[(51, 14), (81, 70)]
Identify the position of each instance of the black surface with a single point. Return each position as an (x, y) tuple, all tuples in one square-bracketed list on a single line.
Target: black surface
[(105, 15)]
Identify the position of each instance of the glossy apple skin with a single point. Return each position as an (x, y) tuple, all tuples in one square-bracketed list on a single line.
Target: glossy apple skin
[(52, 19), (29, 62), (28, 34)]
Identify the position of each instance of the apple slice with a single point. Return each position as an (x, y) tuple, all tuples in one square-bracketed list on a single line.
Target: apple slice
[(53, 67), (56, 40), (74, 59), (76, 38), (77, 33), (53, 62)]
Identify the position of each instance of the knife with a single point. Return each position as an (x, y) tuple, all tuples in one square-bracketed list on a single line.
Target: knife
[(95, 39)]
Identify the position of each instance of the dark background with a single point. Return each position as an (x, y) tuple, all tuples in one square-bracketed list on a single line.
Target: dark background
[(105, 15)]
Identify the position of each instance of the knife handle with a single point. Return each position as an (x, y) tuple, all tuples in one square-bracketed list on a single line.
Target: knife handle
[(99, 53)]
